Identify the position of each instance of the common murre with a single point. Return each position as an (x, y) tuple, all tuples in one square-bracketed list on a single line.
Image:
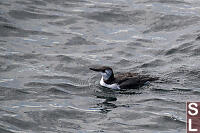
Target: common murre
[(123, 80)]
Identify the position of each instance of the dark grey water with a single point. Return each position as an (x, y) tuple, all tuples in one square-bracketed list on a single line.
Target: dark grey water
[(46, 47)]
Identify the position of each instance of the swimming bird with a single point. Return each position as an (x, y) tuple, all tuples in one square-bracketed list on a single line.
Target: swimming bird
[(122, 80)]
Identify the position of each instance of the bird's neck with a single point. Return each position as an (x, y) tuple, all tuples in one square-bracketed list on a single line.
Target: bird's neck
[(109, 80)]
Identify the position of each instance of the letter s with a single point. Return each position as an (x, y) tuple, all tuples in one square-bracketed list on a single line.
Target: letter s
[(193, 108)]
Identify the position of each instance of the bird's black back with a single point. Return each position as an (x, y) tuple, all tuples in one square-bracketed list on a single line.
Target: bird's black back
[(132, 80)]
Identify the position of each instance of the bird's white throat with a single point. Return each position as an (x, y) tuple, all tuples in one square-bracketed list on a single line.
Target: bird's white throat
[(111, 86), (105, 76)]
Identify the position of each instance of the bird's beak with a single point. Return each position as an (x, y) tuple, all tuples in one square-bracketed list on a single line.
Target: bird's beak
[(96, 69)]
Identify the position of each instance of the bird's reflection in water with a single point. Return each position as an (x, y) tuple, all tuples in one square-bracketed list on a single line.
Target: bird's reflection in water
[(110, 96)]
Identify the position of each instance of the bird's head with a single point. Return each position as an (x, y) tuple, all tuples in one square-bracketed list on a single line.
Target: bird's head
[(105, 71)]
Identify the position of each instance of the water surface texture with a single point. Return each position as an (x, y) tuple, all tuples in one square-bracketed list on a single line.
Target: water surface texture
[(47, 46)]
